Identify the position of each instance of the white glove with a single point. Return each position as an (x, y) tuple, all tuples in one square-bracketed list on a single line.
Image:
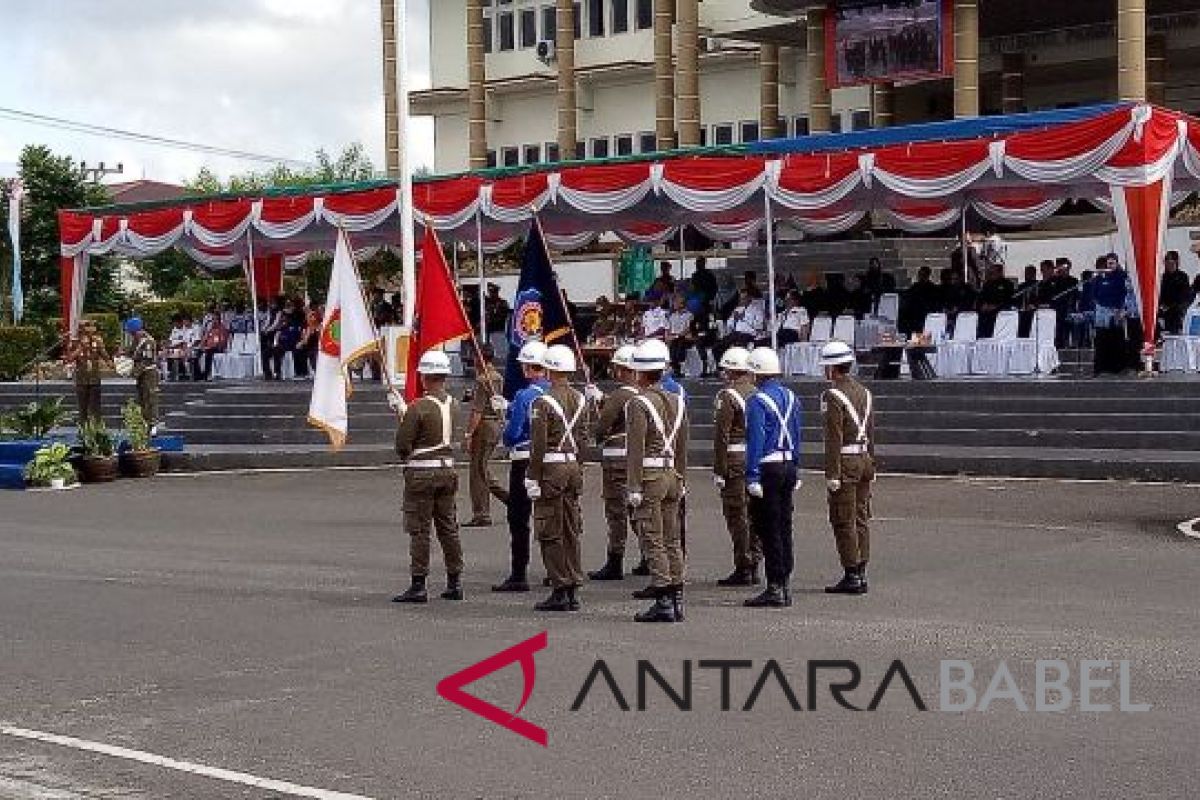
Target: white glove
[(396, 401), (593, 393), (635, 499), (719, 481), (799, 483), (499, 404), (533, 489), (834, 485), (755, 490), (683, 491)]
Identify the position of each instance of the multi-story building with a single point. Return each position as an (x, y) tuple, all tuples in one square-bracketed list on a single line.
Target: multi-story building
[(518, 82)]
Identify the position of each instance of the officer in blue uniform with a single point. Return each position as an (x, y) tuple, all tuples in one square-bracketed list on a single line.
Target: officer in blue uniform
[(516, 438), (772, 472)]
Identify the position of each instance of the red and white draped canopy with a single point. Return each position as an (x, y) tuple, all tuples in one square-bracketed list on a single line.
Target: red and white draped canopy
[(1012, 170)]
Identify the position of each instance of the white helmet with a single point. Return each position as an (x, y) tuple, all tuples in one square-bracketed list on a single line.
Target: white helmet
[(623, 357), (559, 358), (123, 365), (434, 362), (836, 352), (763, 361), (735, 359), (531, 353), (651, 355)]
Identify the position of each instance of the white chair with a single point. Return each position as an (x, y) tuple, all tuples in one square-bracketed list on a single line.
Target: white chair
[(889, 307), (843, 328), (1181, 352), (806, 355), (1038, 351), (935, 327), (954, 356), (991, 356)]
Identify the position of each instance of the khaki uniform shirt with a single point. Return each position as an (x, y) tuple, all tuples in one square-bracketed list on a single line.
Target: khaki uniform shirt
[(610, 428), (481, 399), (548, 431), (89, 356), (144, 355), (422, 433), (730, 425), (646, 440), (840, 429)]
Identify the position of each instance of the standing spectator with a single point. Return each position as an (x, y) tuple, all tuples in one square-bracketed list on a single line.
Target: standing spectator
[(877, 283), (269, 325), (663, 286), (240, 321), (1174, 295), (496, 312), (920, 299), (1026, 295), (1113, 323), (704, 282), (382, 312), (1045, 291), (860, 302), (310, 339), (178, 346), (1066, 295), (287, 338), (1083, 317)]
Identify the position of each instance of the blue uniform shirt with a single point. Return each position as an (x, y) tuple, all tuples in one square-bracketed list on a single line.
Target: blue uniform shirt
[(669, 384), (762, 427), (516, 430)]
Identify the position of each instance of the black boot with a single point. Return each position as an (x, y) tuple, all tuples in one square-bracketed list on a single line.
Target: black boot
[(546, 581), (513, 583), (572, 598), (663, 610), (647, 593), (454, 590), (677, 602), (755, 578), (739, 577), (849, 584), (612, 569), (862, 575), (414, 593), (557, 601), (641, 570), (787, 594), (771, 597)]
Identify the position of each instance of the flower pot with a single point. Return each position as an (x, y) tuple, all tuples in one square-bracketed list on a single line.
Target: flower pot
[(57, 484), (140, 464), (97, 469)]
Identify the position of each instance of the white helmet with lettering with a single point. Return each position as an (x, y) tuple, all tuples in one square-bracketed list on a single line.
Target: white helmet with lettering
[(623, 357), (764, 361), (531, 353), (652, 355), (559, 358), (735, 359), (434, 362), (836, 352)]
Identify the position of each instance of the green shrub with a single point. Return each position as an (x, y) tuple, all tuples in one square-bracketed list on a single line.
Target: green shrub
[(19, 345), (137, 430), (96, 440), (34, 420), (50, 462), (157, 316), (107, 325)]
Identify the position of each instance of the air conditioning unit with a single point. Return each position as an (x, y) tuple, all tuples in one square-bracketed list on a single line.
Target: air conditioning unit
[(711, 44), (545, 51)]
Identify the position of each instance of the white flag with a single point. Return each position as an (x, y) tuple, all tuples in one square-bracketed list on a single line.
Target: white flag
[(346, 336)]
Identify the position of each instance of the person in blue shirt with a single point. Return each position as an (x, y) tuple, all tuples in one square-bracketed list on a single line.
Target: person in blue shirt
[(772, 473), (1118, 320), (516, 438)]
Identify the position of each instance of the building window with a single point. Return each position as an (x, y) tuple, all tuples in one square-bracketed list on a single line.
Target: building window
[(532, 154), (529, 35), (704, 136), (507, 32), (620, 16), (491, 159), (647, 142), (835, 123), (551, 150), (578, 17), (781, 128), (580, 148), (801, 126), (625, 144), (600, 147), (722, 134), (644, 12), (860, 120), (749, 131), (549, 23), (511, 156), (595, 18)]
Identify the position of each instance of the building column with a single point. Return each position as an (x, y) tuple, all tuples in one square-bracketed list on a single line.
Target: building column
[(1131, 50), (664, 76), (966, 58), (883, 104), (1156, 69), (564, 51), (768, 77), (1012, 83), (476, 86), (820, 104), (391, 125), (689, 73)]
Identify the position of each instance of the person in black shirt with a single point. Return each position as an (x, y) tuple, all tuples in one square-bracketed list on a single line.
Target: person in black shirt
[(922, 298), (704, 282), (837, 299), (995, 295), (1066, 295), (877, 283), (958, 296), (1045, 290), (1174, 295)]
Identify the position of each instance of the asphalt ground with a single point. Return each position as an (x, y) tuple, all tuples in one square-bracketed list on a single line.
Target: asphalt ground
[(242, 622)]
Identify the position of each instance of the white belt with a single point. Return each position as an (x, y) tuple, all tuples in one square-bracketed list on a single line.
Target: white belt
[(558, 458), (518, 455), (854, 449), (776, 458), (430, 463), (614, 452), (657, 463), (736, 448)]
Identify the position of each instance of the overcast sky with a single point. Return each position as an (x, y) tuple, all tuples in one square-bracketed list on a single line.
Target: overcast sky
[(276, 77)]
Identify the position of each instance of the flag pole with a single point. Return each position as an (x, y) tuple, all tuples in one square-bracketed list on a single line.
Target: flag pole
[(479, 269), (587, 372), (253, 281), (382, 351), (408, 254)]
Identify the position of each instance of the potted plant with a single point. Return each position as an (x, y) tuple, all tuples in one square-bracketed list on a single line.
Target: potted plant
[(34, 421), (50, 468), (140, 459), (98, 460)]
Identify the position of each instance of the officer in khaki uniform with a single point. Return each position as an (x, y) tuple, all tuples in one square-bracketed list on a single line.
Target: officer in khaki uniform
[(656, 470), (554, 479), (849, 465), (483, 434), (729, 466), (144, 359), (609, 433), (423, 443), (87, 355)]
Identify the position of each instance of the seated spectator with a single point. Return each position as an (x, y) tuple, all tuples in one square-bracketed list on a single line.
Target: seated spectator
[(746, 324), (681, 333), (287, 337), (177, 351), (305, 354), (958, 296), (607, 322), (1174, 295), (215, 340), (656, 320), (663, 286), (995, 295), (631, 319), (794, 324), (918, 300)]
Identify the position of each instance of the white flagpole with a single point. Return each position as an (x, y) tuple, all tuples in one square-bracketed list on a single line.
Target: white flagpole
[(252, 281), (771, 314), (483, 334), (408, 253)]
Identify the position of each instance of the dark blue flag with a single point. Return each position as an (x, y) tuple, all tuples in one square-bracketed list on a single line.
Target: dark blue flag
[(537, 310)]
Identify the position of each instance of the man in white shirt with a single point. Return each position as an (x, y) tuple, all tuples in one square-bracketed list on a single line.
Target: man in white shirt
[(746, 325), (656, 321), (680, 335), (794, 324)]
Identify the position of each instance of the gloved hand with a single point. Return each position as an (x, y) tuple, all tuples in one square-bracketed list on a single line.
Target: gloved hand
[(635, 499), (834, 485), (499, 404), (533, 489), (397, 402), (592, 392), (799, 483), (755, 490), (719, 481), (683, 491)]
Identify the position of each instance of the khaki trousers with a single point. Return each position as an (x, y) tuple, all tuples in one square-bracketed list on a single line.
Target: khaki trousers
[(558, 524), (747, 549), (657, 524), (482, 483), (850, 511), (429, 501)]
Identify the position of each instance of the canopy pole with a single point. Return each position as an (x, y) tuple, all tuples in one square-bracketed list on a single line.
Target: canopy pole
[(771, 314), (408, 254), (483, 334), (254, 301), (681, 259), (964, 244)]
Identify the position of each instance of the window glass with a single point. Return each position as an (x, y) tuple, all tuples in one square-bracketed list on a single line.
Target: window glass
[(801, 128), (549, 22), (860, 120), (551, 150), (644, 14), (529, 34), (580, 150), (722, 134), (649, 142), (491, 159), (487, 34), (749, 131), (835, 123), (511, 156), (578, 21), (533, 154), (507, 33), (595, 17), (625, 144), (620, 16), (600, 147)]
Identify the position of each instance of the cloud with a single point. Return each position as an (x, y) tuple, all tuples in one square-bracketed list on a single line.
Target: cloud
[(278, 77)]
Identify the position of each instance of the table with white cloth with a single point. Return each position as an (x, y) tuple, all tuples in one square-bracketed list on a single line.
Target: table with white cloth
[(918, 361)]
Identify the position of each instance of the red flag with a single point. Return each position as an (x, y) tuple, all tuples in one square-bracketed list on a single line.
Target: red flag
[(439, 317)]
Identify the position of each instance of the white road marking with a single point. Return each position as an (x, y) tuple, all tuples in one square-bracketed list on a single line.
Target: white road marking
[(1190, 528), (229, 776)]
